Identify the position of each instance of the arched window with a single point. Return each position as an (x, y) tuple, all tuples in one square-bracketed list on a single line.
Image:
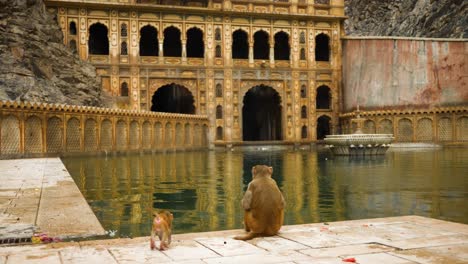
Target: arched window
[(302, 38), (123, 30), (219, 112), (304, 132), (73, 46), (302, 55), (322, 48), (124, 89), (282, 49), (149, 41), (323, 97), (219, 90), (219, 133), (123, 48), (98, 42), (303, 91), (218, 51), (172, 44), (72, 28), (323, 127), (304, 112), (195, 45), (218, 34), (261, 45), (240, 45)]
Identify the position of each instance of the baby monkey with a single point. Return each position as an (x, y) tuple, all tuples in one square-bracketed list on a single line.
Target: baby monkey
[(162, 227)]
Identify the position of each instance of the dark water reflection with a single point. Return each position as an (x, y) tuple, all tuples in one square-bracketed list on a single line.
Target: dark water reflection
[(204, 189)]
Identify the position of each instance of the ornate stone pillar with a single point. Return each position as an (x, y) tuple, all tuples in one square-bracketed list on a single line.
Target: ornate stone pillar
[(251, 53), (161, 48), (272, 53), (184, 50)]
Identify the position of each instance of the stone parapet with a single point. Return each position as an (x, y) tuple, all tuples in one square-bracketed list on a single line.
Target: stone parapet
[(444, 125), (37, 129)]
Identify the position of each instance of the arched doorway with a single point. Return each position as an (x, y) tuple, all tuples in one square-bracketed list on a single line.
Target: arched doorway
[(173, 98), (282, 49), (261, 114), (172, 45), (149, 41), (240, 45), (261, 45), (323, 127), (195, 44), (98, 42), (322, 48)]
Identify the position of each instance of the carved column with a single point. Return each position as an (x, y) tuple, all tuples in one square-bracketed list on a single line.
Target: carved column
[(184, 50), (251, 54)]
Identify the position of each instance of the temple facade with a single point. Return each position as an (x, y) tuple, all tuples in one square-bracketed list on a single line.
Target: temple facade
[(262, 70)]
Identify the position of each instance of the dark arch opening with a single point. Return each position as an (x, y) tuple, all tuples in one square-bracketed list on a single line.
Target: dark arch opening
[(218, 34), (173, 98), (172, 44), (123, 48), (282, 49), (195, 44), (98, 43), (304, 132), (219, 133), (123, 30), (218, 51), (240, 45), (149, 41), (219, 112), (219, 90), (323, 97), (302, 38), (304, 112), (323, 127), (322, 48), (124, 89), (261, 114), (302, 55), (261, 45), (73, 46), (72, 28), (303, 91)]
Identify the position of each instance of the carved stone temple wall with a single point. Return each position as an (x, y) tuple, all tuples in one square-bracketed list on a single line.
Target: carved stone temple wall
[(218, 51)]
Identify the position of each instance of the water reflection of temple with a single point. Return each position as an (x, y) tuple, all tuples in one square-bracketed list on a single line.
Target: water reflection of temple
[(204, 189)]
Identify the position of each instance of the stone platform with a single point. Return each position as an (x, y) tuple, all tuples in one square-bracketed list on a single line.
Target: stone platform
[(39, 195), (396, 240)]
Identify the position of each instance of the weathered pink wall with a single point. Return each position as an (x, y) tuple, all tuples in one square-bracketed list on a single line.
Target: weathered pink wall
[(402, 73)]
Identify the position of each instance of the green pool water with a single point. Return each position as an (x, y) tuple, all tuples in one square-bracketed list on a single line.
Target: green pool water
[(203, 189)]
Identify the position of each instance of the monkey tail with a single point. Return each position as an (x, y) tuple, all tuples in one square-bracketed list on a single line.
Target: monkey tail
[(249, 236)]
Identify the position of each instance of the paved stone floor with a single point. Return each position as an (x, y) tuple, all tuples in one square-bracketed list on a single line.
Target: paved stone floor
[(39, 193)]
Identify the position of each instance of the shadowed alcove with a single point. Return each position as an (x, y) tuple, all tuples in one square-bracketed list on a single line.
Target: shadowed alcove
[(172, 44), (240, 45), (261, 45), (149, 41), (98, 42), (173, 98), (261, 114), (195, 44), (323, 127)]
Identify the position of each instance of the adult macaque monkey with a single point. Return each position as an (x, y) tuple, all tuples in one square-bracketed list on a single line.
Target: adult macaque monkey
[(162, 227), (263, 205)]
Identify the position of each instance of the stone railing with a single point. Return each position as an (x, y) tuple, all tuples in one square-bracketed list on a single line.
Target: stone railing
[(442, 125), (34, 129)]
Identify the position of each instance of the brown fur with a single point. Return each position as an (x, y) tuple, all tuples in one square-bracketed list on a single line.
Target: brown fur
[(263, 205), (161, 227)]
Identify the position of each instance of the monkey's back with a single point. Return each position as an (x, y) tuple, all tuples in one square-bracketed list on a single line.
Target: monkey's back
[(267, 206)]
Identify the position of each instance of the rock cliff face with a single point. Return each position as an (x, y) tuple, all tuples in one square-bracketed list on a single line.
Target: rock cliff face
[(409, 18), (35, 64)]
